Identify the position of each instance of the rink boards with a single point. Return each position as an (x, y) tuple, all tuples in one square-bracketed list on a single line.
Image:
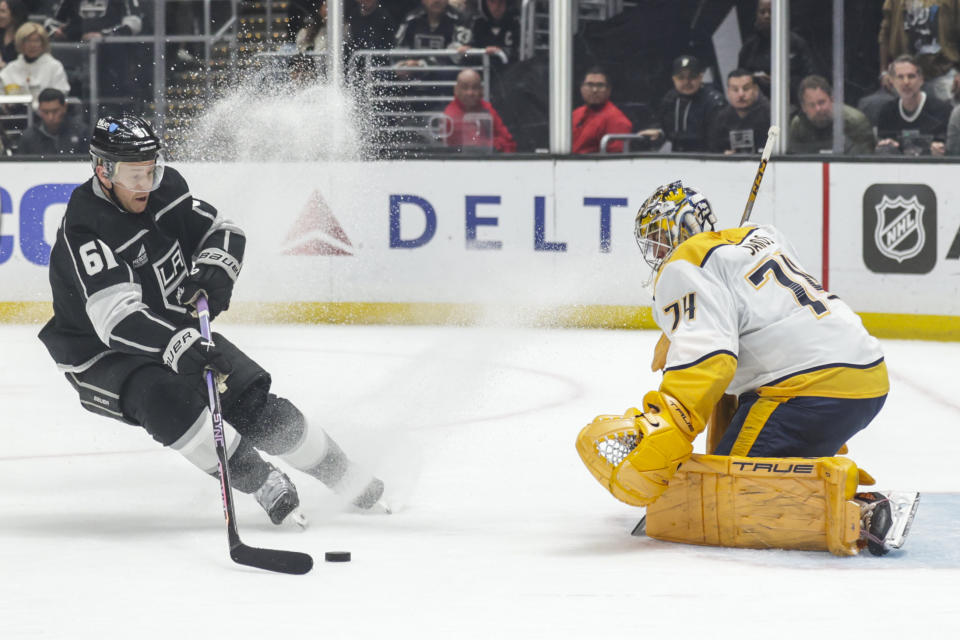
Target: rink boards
[(530, 241)]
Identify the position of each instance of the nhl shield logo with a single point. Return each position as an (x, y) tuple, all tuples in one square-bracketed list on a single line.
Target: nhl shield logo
[(899, 230)]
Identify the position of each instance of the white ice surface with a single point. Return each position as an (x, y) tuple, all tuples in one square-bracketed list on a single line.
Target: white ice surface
[(499, 532)]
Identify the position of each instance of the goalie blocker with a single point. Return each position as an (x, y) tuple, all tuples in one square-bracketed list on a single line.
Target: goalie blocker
[(788, 503)]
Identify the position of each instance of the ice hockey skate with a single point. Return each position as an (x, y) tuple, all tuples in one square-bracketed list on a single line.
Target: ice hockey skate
[(278, 497), (886, 518)]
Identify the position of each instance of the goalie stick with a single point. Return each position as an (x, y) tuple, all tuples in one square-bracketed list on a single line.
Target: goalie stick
[(277, 560), (772, 134)]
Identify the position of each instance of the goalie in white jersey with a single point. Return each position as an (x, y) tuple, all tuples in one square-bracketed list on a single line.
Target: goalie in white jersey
[(740, 316), (743, 317)]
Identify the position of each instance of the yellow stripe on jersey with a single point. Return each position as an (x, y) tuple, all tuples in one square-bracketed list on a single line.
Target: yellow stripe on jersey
[(699, 387), (832, 382), (753, 424), (696, 249)]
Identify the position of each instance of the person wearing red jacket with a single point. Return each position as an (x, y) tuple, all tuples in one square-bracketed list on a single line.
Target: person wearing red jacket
[(598, 116), (473, 122)]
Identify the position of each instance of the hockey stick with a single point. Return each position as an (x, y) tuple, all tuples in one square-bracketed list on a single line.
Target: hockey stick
[(772, 135), (270, 559)]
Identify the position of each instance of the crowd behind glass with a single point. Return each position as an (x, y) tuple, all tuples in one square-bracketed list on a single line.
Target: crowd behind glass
[(683, 102)]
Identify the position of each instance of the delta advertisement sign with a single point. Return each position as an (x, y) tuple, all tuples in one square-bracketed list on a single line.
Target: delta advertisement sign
[(539, 233)]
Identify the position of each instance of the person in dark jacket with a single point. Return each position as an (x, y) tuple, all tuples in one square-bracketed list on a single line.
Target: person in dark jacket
[(369, 26), (57, 134), (741, 126), (688, 110), (496, 28), (916, 124), (755, 54)]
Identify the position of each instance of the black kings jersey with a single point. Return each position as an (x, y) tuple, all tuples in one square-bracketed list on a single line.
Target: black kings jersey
[(114, 275)]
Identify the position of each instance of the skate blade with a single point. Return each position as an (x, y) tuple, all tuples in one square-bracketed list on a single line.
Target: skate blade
[(297, 518), (903, 507), (380, 507)]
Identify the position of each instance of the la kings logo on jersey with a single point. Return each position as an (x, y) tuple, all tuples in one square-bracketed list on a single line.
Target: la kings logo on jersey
[(170, 270), (900, 228)]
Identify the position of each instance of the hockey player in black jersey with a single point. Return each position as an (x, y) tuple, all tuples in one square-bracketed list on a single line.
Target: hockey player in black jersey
[(134, 251)]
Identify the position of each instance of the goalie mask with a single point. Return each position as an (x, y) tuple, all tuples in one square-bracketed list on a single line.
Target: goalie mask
[(671, 215)]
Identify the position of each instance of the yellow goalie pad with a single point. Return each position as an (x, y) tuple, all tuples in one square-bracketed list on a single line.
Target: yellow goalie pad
[(759, 503)]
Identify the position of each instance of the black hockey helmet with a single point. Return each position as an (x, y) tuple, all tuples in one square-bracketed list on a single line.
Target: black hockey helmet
[(127, 139)]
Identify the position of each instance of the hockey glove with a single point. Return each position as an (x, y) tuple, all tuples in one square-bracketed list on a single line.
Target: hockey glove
[(666, 443), (211, 281), (189, 354)]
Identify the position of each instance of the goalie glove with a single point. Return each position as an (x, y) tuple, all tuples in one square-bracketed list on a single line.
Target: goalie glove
[(666, 435)]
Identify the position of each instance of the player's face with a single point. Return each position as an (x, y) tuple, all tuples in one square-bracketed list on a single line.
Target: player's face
[(742, 92), (817, 106), (687, 83), (132, 201), (469, 91), (907, 79), (595, 90), (367, 6), (132, 182)]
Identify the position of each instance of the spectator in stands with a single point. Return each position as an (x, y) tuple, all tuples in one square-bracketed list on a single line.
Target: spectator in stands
[(57, 133), (872, 104), (13, 13), (433, 26), (34, 69), (369, 26), (496, 28), (598, 116), (124, 74), (688, 110), (474, 123), (300, 13), (916, 123), (927, 30), (741, 126), (82, 20), (400, 9), (953, 133), (811, 131), (755, 53), (311, 27)]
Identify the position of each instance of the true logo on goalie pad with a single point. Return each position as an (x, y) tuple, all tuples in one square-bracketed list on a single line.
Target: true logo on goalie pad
[(777, 467)]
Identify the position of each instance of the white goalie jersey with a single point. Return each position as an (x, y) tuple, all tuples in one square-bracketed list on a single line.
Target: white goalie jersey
[(743, 294)]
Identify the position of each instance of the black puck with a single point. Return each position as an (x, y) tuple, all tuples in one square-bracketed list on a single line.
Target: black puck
[(337, 556)]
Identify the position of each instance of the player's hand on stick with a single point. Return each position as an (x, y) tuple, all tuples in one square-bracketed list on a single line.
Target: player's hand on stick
[(189, 353), (210, 281)]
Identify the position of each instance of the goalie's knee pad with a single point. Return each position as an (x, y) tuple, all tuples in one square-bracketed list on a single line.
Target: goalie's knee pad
[(786, 503)]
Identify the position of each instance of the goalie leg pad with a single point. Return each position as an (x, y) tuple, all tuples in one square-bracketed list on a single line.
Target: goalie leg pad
[(759, 503)]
